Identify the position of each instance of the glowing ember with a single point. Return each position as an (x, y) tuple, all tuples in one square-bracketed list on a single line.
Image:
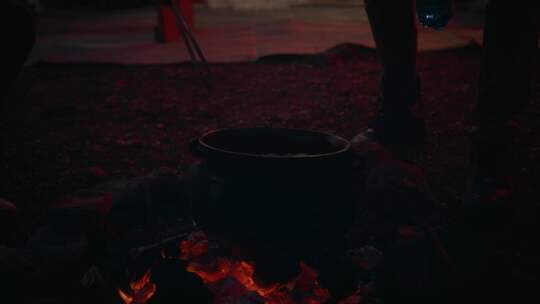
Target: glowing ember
[(212, 272), (141, 292), (219, 271), (195, 245), (232, 281), (243, 273)]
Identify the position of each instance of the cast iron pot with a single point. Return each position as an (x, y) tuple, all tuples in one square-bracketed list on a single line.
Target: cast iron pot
[(285, 187)]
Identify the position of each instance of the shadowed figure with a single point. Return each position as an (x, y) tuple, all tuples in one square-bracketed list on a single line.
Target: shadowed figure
[(18, 36), (504, 87), (510, 45)]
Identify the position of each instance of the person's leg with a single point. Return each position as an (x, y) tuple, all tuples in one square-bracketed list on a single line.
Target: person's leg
[(510, 45), (395, 34), (17, 29), (19, 33), (394, 30)]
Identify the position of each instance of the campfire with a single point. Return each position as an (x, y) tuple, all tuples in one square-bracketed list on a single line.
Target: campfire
[(147, 248), (232, 280), (270, 262), (151, 245)]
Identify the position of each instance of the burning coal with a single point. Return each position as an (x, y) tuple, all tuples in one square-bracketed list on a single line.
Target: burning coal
[(142, 290), (232, 280)]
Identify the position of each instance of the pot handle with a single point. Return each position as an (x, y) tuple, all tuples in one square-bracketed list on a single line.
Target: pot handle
[(195, 148)]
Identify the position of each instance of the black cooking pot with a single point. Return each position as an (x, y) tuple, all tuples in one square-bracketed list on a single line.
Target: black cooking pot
[(278, 186)]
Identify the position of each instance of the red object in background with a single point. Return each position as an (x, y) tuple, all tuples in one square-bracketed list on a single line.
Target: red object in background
[(167, 29)]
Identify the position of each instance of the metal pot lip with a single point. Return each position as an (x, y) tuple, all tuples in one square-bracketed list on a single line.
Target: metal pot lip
[(346, 148)]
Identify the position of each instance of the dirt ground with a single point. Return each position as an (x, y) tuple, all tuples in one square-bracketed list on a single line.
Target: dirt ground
[(73, 126)]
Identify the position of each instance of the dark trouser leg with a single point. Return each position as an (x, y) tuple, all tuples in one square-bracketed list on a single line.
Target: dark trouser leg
[(394, 31), (510, 43), (18, 32)]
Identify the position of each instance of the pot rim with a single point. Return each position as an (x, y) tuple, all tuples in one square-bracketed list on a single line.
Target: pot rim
[(347, 144)]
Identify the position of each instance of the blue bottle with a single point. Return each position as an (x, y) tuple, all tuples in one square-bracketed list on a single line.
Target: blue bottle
[(434, 13)]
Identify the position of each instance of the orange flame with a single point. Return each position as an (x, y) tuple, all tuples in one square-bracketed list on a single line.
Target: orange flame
[(194, 246), (243, 273), (304, 289), (213, 272), (142, 290)]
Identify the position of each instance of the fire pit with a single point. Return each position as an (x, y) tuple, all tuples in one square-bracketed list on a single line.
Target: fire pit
[(142, 247), (269, 201), (225, 278)]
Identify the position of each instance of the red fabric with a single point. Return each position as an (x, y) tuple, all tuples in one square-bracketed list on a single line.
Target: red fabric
[(167, 29)]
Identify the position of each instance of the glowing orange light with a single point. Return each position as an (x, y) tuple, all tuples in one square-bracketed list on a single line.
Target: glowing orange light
[(142, 290), (243, 273), (215, 270), (194, 246)]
